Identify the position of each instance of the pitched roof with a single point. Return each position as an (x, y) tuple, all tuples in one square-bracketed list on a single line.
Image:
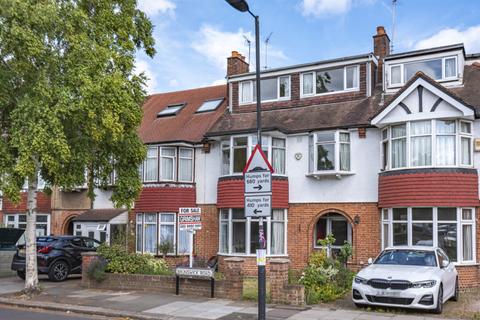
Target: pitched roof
[(186, 125), (99, 214), (470, 91), (301, 119)]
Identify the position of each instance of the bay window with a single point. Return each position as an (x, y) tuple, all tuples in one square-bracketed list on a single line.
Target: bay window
[(329, 152), (331, 80), (449, 228), (272, 89), (239, 235), (428, 143), (438, 69), (154, 229), (236, 150), (162, 162)]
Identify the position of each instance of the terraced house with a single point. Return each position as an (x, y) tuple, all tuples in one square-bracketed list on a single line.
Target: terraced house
[(378, 149)]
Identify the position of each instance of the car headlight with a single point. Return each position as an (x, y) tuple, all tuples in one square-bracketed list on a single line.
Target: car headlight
[(423, 284), (360, 280)]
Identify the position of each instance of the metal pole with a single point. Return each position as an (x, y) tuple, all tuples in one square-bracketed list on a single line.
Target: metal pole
[(261, 268), (191, 247)]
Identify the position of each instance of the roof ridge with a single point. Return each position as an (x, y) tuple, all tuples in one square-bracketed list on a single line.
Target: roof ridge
[(186, 90)]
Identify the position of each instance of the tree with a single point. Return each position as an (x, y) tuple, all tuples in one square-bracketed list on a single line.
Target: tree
[(70, 101)]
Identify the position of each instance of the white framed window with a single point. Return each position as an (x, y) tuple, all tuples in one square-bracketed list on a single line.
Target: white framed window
[(330, 80), (185, 165), (450, 228), (239, 235), (151, 165), (154, 229), (330, 152), (237, 149), (336, 225), (42, 225), (429, 143), (440, 69), (168, 157), (272, 89)]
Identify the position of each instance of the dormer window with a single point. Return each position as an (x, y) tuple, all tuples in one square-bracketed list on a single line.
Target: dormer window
[(210, 105), (329, 81), (440, 69), (272, 89), (171, 110)]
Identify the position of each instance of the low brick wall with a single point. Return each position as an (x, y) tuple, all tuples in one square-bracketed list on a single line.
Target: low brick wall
[(281, 292), (231, 287)]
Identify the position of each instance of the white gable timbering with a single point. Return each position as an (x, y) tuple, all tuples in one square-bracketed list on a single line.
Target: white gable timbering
[(420, 101)]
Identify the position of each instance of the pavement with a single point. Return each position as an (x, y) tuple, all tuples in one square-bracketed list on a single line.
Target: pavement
[(69, 296)]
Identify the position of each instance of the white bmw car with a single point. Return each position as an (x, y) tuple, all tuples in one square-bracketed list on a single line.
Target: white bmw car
[(407, 277)]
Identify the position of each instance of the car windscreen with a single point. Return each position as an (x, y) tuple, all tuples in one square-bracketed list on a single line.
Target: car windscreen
[(407, 258)]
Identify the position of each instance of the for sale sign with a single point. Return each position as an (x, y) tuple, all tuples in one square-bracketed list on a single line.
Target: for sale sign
[(190, 218)]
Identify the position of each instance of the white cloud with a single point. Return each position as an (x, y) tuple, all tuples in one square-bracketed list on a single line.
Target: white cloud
[(219, 82), (321, 8), (143, 66), (173, 83), (470, 37), (154, 7), (216, 45)]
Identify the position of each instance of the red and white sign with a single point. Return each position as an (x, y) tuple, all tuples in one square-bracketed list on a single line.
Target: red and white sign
[(190, 218), (258, 161)]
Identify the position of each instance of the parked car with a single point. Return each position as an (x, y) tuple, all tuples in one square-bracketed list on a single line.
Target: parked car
[(407, 277), (57, 256)]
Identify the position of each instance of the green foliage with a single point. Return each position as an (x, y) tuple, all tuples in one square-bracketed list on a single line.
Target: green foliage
[(345, 253), (120, 261), (70, 98), (325, 278), (327, 242), (165, 247), (250, 289), (96, 270)]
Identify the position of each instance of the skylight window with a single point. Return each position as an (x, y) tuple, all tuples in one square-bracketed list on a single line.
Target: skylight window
[(210, 105), (171, 110)]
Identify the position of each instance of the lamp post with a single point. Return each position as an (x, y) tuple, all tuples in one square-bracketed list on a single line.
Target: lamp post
[(242, 6)]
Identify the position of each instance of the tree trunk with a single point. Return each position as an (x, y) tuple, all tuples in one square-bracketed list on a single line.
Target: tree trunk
[(31, 274)]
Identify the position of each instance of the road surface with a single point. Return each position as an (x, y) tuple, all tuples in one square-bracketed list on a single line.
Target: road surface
[(11, 313)]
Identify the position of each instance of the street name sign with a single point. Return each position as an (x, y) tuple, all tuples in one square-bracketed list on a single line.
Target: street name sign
[(258, 182), (258, 205), (190, 218)]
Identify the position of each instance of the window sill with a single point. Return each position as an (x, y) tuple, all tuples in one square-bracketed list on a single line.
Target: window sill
[(250, 255), (313, 95), (465, 264), (337, 174)]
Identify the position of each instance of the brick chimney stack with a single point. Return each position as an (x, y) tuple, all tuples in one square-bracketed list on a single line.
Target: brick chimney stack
[(381, 48), (236, 64)]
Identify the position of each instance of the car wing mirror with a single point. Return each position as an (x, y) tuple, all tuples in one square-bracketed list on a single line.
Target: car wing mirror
[(370, 261), (445, 263)]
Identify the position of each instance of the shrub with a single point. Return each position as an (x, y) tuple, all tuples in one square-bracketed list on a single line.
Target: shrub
[(120, 261), (326, 279), (96, 270)]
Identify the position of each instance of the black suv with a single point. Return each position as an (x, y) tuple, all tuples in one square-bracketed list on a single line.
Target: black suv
[(57, 256)]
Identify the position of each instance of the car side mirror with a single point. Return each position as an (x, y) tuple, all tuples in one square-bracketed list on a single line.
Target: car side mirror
[(445, 263), (370, 261)]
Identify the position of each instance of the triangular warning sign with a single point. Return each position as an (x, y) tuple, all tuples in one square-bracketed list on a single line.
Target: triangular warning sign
[(258, 161)]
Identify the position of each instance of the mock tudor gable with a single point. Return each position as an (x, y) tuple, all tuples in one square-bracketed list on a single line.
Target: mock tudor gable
[(422, 99)]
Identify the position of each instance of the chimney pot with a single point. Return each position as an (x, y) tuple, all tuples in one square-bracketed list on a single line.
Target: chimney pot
[(236, 64), (380, 30)]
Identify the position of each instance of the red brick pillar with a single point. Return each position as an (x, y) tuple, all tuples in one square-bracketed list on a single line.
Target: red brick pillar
[(87, 258), (233, 278), (278, 280)]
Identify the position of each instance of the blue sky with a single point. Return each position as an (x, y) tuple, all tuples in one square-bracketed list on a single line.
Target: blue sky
[(194, 37)]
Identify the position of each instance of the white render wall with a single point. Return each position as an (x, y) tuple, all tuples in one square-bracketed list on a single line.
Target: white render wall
[(476, 155), (102, 199), (362, 186), (207, 171)]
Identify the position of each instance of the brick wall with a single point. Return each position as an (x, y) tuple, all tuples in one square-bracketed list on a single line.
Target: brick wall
[(43, 204), (295, 100), (468, 276), (301, 225), (206, 239)]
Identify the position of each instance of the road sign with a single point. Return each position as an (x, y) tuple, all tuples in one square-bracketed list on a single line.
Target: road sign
[(190, 218), (258, 161), (258, 182), (258, 205)]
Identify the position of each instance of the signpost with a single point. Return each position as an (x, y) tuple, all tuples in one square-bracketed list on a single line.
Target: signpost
[(258, 203), (190, 219)]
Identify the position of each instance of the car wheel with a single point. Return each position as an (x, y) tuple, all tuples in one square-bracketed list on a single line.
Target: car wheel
[(58, 271), (439, 308), (456, 295), (21, 274)]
